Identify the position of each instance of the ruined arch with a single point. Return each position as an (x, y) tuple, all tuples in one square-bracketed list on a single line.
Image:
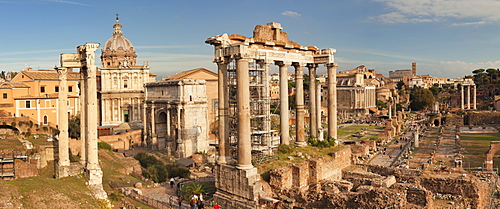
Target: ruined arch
[(494, 148)]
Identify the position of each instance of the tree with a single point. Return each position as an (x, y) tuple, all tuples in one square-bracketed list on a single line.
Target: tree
[(435, 90), (381, 105), (421, 99), (74, 127), (492, 74), (193, 189), (479, 75), (400, 84)]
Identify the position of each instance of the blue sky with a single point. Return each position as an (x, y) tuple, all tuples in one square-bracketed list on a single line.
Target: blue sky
[(447, 38)]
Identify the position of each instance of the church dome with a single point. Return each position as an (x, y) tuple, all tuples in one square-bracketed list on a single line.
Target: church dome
[(118, 40), (118, 51)]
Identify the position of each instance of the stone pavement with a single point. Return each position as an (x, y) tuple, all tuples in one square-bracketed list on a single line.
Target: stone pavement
[(392, 151)]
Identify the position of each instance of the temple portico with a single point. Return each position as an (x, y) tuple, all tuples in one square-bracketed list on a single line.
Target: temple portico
[(467, 83), (243, 63)]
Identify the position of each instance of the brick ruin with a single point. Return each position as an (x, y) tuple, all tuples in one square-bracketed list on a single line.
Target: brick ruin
[(366, 186)]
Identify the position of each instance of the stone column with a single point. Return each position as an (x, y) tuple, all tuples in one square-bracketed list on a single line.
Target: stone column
[(318, 111), (468, 97), (299, 103), (390, 109), (312, 100), (474, 97), (415, 138), (83, 117), (63, 141), (284, 117), (223, 117), (332, 100), (94, 172), (462, 96), (144, 122), (243, 109), (154, 141)]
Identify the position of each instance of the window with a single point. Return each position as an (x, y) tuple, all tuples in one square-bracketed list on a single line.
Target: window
[(56, 89), (28, 104), (4, 95), (70, 88), (125, 84), (42, 89), (45, 119)]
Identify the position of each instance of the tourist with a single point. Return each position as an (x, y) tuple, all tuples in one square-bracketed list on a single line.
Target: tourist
[(172, 182), (171, 201), (216, 206), (200, 201), (179, 200)]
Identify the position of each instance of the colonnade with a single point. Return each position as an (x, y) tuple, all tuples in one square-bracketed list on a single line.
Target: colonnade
[(85, 60), (243, 105), (462, 98)]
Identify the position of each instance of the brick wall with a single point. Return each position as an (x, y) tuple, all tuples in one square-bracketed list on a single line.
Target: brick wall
[(301, 175)]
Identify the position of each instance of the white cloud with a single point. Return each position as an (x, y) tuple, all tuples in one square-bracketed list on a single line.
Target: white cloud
[(68, 2), (291, 14), (457, 69), (462, 13)]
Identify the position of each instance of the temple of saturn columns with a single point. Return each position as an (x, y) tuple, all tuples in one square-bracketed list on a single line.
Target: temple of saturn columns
[(84, 59), (236, 55)]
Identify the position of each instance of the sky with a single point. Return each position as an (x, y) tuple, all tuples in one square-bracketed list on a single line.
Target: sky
[(447, 38)]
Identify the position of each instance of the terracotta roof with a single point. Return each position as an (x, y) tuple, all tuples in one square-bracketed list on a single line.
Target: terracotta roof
[(186, 74), (49, 75), (8, 85)]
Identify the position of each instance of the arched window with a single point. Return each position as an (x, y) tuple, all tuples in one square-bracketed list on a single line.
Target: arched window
[(45, 120)]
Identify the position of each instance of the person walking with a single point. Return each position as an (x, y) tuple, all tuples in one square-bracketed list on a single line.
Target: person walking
[(171, 201), (172, 182), (216, 206), (179, 200)]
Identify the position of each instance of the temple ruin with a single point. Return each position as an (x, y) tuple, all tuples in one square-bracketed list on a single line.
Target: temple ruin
[(242, 60), (84, 59)]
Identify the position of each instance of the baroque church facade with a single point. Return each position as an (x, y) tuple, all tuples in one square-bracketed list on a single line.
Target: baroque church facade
[(122, 81)]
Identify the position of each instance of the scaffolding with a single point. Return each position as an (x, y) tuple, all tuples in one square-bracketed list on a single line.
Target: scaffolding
[(264, 140)]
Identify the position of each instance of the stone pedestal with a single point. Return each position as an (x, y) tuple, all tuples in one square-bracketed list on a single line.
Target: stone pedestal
[(237, 188)]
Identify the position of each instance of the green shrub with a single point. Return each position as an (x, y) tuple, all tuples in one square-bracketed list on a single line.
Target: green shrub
[(104, 145), (285, 148), (177, 171)]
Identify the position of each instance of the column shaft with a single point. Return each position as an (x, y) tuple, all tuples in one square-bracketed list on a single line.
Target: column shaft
[(223, 138), (284, 116), (299, 103), (468, 97), (474, 97), (312, 101), (462, 97), (83, 117), (63, 142), (243, 108), (332, 100)]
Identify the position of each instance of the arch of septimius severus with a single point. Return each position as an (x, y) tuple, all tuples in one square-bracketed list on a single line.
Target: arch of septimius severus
[(237, 186)]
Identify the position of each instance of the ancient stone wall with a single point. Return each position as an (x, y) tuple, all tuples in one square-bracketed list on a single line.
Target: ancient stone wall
[(483, 117), (23, 169), (124, 140), (465, 187), (237, 188), (301, 175)]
